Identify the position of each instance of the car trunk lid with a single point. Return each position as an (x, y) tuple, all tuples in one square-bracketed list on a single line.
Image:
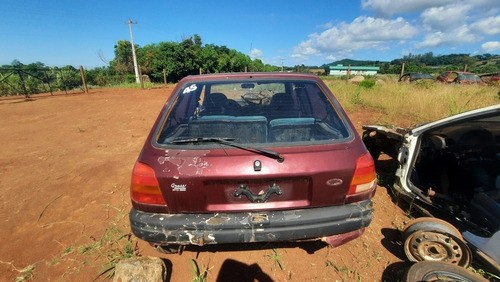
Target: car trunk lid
[(199, 181)]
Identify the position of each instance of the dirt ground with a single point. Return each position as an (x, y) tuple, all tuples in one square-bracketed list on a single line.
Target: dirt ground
[(65, 168)]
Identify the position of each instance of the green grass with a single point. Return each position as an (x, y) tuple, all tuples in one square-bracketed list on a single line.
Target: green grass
[(277, 258), (115, 243), (352, 275), (199, 274), (25, 273)]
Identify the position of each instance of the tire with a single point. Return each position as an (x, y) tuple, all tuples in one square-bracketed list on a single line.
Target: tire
[(430, 224), (440, 271)]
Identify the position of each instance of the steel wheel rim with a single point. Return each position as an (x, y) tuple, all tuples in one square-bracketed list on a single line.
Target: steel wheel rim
[(436, 246)]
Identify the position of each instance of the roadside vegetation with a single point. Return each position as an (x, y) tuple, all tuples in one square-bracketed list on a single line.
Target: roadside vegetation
[(416, 103), (168, 62), (430, 63)]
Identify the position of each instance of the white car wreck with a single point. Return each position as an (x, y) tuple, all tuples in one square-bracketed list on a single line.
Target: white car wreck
[(447, 169)]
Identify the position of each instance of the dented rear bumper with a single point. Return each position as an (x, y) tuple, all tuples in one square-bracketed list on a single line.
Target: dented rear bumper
[(270, 226)]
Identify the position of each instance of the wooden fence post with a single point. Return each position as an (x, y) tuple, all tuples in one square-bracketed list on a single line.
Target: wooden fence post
[(84, 81), (164, 76), (140, 78), (402, 70), (23, 85)]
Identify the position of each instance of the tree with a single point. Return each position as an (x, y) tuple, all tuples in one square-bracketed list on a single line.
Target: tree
[(183, 58), (123, 61)]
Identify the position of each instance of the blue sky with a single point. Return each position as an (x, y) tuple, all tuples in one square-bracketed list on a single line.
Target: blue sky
[(74, 32)]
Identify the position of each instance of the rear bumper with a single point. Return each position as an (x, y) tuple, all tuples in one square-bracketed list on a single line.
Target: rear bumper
[(272, 226)]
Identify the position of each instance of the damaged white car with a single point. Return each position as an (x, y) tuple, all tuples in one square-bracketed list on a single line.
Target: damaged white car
[(449, 169)]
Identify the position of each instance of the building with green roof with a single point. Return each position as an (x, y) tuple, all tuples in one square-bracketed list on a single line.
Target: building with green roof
[(340, 70)]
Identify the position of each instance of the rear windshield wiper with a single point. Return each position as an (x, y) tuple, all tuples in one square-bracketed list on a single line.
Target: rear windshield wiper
[(228, 141)]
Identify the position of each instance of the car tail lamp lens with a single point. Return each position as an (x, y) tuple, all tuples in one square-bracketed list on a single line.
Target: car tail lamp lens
[(364, 178), (144, 187)]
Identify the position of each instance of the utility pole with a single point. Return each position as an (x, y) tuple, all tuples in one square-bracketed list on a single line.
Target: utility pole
[(136, 69)]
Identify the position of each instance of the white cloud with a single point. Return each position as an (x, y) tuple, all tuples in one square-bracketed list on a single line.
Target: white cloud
[(491, 46), (445, 17), (304, 50), (459, 35), (391, 7), (452, 25), (362, 33), (255, 54), (490, 26)]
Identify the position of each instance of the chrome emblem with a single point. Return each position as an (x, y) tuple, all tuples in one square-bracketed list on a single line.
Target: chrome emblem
[(334, 182)]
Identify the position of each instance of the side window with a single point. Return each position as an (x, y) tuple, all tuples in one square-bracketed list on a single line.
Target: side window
[(315, 104), (312, 101), (186, 106)]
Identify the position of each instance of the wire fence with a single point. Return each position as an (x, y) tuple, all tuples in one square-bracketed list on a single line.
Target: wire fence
[(31, 80), (28, 81)]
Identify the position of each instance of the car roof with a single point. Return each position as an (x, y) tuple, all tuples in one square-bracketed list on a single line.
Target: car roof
[(463, 72), (490, 74), (250, 75), (456, 118)]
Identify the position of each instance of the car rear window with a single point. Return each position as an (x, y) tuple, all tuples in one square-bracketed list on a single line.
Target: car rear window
[(256, 112)]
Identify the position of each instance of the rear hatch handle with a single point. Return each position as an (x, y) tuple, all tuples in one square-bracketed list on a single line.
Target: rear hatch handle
[(261, 197)]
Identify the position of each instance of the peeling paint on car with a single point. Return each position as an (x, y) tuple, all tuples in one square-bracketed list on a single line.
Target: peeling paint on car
[(249, 169), (291, 215), (185, 163), (199, 165), (216, 220)]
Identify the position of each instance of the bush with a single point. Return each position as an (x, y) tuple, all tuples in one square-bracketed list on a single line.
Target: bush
[(367, 83)]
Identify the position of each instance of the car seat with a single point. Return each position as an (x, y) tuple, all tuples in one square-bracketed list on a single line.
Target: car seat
[(214, 104), (282, 105)]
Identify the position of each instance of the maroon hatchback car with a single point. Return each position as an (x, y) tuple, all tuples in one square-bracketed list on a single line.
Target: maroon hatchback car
[(251, 157)]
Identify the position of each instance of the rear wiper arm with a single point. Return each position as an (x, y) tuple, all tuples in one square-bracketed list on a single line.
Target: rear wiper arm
[(201, 140), (228, 141)]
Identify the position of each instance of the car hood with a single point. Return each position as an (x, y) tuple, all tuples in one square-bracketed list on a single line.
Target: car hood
[(399, 133)]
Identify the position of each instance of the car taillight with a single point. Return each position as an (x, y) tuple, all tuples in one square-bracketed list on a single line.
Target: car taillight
[(364, 178), (144, 187)]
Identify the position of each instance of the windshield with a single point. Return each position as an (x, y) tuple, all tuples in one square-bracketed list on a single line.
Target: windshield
[(253, 112), (422, 76), (469, 76)]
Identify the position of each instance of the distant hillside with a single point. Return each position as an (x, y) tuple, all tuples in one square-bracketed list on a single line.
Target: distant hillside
[(485, 63), (347, 62)]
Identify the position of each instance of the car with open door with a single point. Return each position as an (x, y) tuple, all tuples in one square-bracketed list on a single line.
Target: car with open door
[(251, 157), (447, 169)]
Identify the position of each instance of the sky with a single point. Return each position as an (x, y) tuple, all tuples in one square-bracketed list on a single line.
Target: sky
[(279, 32)]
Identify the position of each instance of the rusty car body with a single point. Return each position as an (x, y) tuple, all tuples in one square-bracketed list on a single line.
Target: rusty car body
[(447, 169), (459, 77), (491, 78), (251, 157), (414, 76)]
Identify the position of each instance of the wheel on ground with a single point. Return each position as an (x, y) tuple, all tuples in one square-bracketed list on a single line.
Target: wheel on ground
[(440, 271), (430, 224), (437, 246)]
